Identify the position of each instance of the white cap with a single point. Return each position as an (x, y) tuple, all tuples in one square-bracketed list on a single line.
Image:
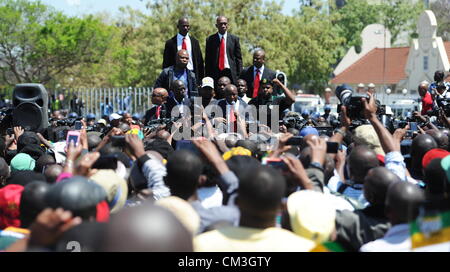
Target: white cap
[(361, 85), (114, 116), (208, 82), (371, 85)]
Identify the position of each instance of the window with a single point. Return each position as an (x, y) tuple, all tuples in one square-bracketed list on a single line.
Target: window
[(425, 63)]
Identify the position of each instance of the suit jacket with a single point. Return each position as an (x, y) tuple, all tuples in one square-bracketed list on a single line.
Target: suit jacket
[(170, 54), (172, 103), (151, 113), (166, 77), (242, 109), (248, 76), (233, 54)]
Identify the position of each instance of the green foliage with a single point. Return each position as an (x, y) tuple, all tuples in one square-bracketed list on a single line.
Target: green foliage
[(441, 9), (38, 43)]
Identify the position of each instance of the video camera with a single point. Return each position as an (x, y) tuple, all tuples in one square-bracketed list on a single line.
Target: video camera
[(69, 122), (352, 101), (155, 124), (294, 121)]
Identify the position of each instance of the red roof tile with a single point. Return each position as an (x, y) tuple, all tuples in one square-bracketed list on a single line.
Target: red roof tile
[(369, 69), (447, 48)]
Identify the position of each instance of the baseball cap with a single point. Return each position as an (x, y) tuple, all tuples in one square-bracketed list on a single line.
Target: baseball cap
[(371, 85), (266, 81), (115, 187), (22, 161), (236, 151), (208, 82), (102, 121), (9, 205), (361, 85), (303, 208), (308, 130), (435, 153), (114, 116), (366, 135)]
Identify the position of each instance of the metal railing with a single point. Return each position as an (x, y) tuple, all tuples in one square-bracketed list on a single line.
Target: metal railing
[(127, 99)]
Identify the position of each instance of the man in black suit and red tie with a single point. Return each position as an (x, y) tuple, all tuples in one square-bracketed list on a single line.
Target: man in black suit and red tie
[(184, 41), (253, 74), (223, 53), (158, 111)]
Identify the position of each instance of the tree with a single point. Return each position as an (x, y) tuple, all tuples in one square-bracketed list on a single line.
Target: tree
[(441, 9), (38, 43)]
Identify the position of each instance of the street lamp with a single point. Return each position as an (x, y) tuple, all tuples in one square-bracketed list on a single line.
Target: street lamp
[(404, 91), (388, 91)]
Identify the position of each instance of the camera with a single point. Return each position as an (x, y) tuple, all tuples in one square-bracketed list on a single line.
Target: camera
[(283, 79), (153, 125), (352, 101)]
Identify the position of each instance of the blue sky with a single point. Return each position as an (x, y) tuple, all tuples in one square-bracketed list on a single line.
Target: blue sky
[(79, 7)]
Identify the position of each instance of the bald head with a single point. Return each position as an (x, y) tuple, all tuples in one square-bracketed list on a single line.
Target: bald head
[(222, 24), (147, 228), (259, 58), (231, 93), (376, 184), (182, 59), (402, 202), (163, 135), (421, 145), (423, 88), (221, 84), (52, 172), (183, 26), (179, 89), (439, 137), (360, 161)]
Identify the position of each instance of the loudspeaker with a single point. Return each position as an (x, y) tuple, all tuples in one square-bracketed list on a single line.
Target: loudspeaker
[(30, 103)]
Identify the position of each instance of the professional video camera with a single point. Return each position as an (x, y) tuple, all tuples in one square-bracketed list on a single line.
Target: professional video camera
[(294, 121), (70, 122), (355, 108), (442, 102), (155, 124), (351, 101)]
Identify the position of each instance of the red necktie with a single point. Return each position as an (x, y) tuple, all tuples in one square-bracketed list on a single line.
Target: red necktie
[(256, 84), (184, 46), (158, 112), (233, 119), (222, 54)]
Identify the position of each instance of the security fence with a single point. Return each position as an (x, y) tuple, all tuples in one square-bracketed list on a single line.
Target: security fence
[(94, 100)]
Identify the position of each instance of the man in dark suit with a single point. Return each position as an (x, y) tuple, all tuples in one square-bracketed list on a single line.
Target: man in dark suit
[(184, 41), (178, 72), (253, 74), (159, 99), (232, 103), (178, 100), (223, 53)]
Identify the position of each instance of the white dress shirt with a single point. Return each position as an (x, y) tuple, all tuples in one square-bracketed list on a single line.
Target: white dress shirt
[(397, 239), (236, 109), (227, 65), (180, 37), (261, 71)]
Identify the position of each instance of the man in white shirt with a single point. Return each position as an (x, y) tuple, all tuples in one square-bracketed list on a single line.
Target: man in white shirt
[(223, 53), (184, 41)]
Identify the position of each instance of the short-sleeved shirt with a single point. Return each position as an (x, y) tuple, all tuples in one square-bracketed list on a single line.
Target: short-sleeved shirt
[(242, 239), (427, 103)]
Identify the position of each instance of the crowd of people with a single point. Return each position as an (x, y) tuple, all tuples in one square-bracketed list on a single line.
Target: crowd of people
[(206, 169)]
